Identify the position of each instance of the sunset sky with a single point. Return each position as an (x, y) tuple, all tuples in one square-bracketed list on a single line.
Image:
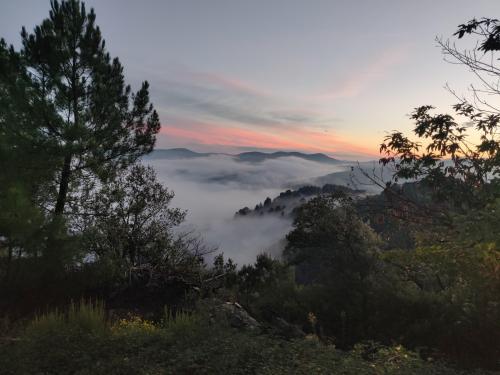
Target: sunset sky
[(316, 76)]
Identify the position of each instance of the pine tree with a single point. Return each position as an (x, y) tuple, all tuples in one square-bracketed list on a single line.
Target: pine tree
[(96, 124), (26, 162)]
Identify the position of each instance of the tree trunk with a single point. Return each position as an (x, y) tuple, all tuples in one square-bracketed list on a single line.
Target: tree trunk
[(9, 262), (53, 252), (63, 186)]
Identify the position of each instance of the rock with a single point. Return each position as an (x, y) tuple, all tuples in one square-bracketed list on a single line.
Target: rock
[(290, 331), (232, 313), (238, 317)]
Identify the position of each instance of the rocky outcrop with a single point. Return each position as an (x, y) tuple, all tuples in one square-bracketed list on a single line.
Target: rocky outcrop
[(237, 316), (232, 313), (287, 330)]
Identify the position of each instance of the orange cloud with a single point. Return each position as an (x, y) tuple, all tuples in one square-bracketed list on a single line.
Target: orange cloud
[(288, 139)]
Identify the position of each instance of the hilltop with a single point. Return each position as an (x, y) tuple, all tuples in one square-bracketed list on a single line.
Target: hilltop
[(250, 157)]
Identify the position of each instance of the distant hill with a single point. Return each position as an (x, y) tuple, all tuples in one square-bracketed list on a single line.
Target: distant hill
[(175, 153), (359, 176), (255, 157), (249, 157)]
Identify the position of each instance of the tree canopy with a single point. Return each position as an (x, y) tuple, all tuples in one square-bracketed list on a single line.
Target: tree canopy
[(87, 111)]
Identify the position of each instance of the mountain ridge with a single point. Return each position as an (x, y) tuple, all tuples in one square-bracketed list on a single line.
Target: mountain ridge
[(251, 156)]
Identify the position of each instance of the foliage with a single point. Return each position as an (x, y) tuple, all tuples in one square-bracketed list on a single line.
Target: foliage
[(132, 222), (452, 278), (74, 200), (454, 291), (329, 236), (86, 317), (268, 289), (137, 346), (67, 120), (26, 164), (451, 161), (181, 322), (94, 120), (134, 326)]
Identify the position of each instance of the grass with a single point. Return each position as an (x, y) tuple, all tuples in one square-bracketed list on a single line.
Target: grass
[(81, 341), (179, 321), (84, 317)]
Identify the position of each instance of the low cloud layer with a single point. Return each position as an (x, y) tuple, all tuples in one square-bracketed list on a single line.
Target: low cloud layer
[(213, 188)]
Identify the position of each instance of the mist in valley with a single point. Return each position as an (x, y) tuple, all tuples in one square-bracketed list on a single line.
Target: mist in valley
[(213, 188)]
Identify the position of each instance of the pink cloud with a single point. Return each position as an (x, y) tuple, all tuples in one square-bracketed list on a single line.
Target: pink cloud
[(225, 81), (354, 84), (185, 132)]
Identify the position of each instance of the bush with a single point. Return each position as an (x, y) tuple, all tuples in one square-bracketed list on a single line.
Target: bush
[(180, 322), (82, 342), (86, 317)]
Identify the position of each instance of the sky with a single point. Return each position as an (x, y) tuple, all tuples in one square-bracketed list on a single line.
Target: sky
[(315, 76)]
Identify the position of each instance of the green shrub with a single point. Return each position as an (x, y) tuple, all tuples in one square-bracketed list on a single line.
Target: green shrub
[(180, 322), (82, 342), (85, 317)]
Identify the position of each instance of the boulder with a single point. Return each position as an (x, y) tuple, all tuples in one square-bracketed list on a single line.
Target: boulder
[(287, 330), (232, 313), (238, 317)]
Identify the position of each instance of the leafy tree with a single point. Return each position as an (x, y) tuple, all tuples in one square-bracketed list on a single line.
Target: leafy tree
[(263, 274), (268, 290), (26, 162), (461, 170), (449, 284), (87, 111), (329, 236), (334, 254), (131, 224), (67, 122), (223, 269)]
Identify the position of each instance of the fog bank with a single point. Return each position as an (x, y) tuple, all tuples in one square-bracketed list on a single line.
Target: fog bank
[(213, 188)]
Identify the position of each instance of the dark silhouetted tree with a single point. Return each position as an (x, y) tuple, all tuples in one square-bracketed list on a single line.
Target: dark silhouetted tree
[(132, 221), (445, 154), (26, 162), (68, 123), (330, 241), (88, 111)]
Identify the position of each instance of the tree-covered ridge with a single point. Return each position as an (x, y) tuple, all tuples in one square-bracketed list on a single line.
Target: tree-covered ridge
[(287, 203)]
